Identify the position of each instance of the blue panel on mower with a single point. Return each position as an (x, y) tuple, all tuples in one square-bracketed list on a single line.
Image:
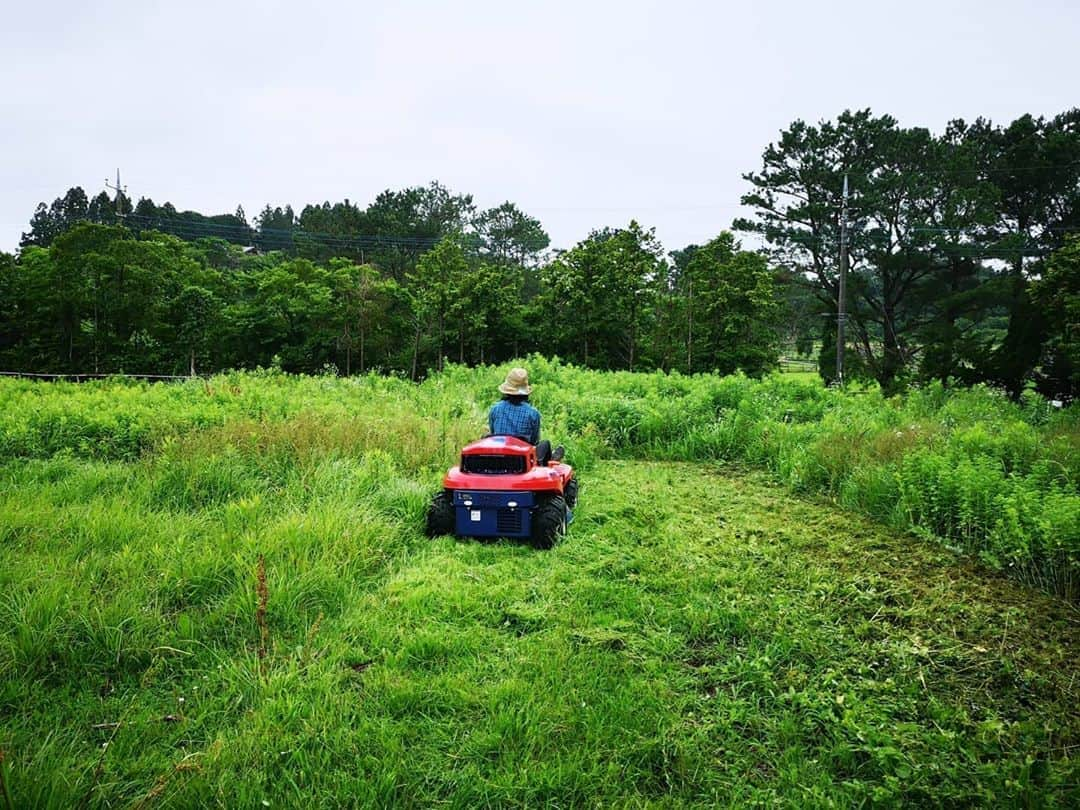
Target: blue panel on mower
[(493, 514)]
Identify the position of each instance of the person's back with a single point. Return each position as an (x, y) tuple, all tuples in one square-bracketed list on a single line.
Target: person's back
[(514, 416)]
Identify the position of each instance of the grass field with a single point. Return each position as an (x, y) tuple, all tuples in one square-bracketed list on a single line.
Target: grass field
[(702, 637)]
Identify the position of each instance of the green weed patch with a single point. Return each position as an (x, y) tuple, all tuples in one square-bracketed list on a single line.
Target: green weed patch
[(967, 467), (699, 639), (703, 637)]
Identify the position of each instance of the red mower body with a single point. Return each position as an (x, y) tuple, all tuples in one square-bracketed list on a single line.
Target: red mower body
[(506, 463), (499, 490)]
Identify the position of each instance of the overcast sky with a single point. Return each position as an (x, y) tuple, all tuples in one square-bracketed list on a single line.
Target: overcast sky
[(585, 114)]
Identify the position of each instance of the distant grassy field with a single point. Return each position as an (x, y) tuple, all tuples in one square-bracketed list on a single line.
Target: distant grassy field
[(801, 375), (703, 636)]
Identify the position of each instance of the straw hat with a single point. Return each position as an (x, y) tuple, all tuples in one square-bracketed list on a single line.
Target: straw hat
[(516, 383)]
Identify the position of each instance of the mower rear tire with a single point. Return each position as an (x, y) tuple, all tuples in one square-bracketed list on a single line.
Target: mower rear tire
[(440, 515), (548, 522), (570, 492)]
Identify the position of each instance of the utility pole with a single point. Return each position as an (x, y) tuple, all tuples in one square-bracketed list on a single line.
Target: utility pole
[(690, 330), (119, 190), (841, 314)]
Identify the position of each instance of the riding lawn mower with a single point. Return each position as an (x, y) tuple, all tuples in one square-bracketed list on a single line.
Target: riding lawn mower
[(499, 489)]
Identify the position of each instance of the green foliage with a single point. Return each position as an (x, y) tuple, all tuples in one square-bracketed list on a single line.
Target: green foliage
[(438, 291), (190, 225), (947, 237), (968, 467), (732, 309), (365, 311), (511, 236), (699, 639), (944, 233), (1058, 296), (602, 291), (63, 214)]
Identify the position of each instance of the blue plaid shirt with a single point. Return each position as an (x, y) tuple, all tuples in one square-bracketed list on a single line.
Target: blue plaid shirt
[(507, 419)]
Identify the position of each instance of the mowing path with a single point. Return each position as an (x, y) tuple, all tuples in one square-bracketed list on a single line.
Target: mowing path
[(699, 639)]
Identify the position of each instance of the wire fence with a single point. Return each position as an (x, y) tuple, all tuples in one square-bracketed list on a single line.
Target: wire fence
[(791, 364), (786, 365), (35, 375)]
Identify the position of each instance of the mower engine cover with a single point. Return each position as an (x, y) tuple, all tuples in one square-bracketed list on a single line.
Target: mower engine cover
[(499, 490)]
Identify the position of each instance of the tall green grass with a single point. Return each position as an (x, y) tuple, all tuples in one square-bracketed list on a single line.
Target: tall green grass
[(699, 640), (968, 467)]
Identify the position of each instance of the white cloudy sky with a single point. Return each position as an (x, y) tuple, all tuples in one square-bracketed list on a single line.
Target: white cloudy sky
[(584, 113)]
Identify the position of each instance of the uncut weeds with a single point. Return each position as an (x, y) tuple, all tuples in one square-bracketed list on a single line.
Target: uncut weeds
[(997, 479), (698, 639)]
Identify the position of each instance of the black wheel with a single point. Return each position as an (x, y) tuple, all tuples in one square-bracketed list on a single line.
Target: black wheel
[(440, 515), (569, 492), (548, 521)]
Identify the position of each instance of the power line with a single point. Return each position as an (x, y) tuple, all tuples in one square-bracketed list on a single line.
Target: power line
[(936, 172), (293, 236), (291, 233), (1002, 169), (810, 240)]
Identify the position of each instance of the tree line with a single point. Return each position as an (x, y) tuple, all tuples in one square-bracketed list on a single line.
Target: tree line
[(950, 239), (417, 277), (962, 269)]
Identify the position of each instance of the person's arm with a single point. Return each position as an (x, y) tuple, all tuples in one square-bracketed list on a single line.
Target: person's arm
[(491, 421), (536, 430)]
